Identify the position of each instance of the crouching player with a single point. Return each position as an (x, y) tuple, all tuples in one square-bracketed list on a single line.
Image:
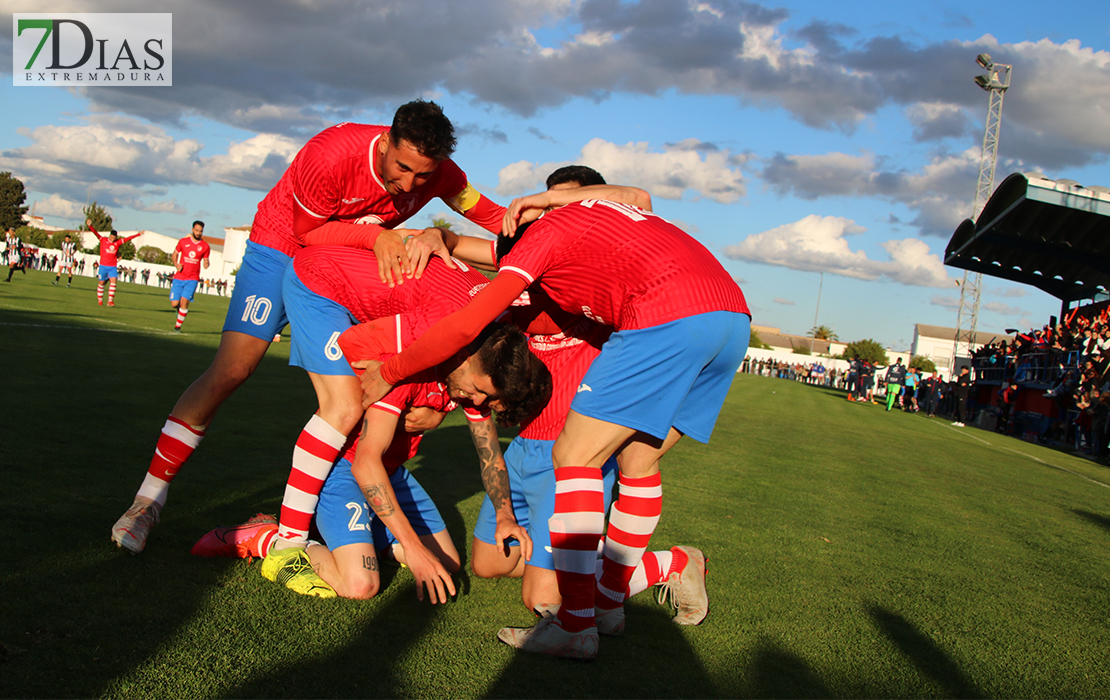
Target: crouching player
[(369, 502), (327, 290)]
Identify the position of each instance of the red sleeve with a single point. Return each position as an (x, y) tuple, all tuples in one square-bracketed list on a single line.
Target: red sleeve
[(487, 214), (94, 232), (131, 238), (451, 333), (341, 233)]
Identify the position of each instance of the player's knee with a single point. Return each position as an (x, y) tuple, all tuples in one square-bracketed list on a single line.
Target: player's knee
[(362, 589)]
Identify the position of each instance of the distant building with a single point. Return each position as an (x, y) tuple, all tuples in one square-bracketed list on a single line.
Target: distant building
[(935, 342)]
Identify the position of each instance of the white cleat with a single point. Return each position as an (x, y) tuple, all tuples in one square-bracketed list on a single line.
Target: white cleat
[(133, 527), (686, 589), (548, 637)]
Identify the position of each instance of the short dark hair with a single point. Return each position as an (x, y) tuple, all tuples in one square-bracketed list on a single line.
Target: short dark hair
[(198, 222), (505, 244), (582, 175), (426, 127), (522, 381)]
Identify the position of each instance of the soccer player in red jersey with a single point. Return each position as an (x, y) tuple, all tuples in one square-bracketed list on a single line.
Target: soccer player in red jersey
[(66, 261), (352, 184), (189, 256), (327, 291), (568, 344), (681, 330), (109, 257)]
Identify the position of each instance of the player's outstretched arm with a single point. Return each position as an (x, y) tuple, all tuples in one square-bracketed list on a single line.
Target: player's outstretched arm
[(495, 478), (525, 209), (93, 231), (368, 469)]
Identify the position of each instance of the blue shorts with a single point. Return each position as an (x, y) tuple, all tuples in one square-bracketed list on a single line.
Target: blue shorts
[(315, 324), (676, 374), (532, 483), (107, 272), (343, 518), (256, 307), (183, 289)]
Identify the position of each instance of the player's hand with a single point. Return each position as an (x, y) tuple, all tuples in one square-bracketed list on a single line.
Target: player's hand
[(393, 261), (522, 210), (420, 419), (429, 572), (423, 245), (508, 527), (374, 388)]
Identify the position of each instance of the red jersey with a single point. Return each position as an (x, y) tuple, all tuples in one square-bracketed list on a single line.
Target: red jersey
[(334, 178), (379, 340), (109, 250), (192, 252), (349, 277), (613, 263), (622, 266)]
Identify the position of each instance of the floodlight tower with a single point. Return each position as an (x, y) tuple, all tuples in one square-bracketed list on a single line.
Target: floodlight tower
[(995, 82)]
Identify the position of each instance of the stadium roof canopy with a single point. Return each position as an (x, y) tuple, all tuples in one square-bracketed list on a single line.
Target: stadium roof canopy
[(1051, 234)]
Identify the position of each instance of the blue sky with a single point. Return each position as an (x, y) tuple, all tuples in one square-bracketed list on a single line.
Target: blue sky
[(792, 138)]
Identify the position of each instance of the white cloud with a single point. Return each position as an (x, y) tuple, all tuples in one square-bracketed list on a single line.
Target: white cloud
[(1003, 309), (952, 303), (687, 166), (784, 302), (819, 244)]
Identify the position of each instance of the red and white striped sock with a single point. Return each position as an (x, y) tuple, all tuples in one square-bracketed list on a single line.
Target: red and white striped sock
[(317, 449), (99, 292), (112, 291), (181, 314), (176, 443), (632, 520), (655, 568), (576, 528)]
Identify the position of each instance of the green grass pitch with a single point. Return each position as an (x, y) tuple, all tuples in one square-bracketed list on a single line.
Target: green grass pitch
[(853, 552)]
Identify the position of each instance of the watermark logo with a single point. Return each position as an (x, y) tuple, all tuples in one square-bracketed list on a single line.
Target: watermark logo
[(92, 49)]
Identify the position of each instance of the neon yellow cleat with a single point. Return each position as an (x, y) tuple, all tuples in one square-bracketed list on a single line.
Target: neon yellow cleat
[(291, 568)]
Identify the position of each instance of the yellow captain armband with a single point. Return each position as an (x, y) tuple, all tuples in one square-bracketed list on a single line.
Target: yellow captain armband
[(465, 200)]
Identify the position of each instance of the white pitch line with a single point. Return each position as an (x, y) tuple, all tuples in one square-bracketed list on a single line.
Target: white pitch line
[(1026, 454), (139, 331)]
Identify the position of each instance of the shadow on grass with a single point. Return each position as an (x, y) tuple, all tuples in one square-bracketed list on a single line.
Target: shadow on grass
[(653, 659), (84, 412), (1100, 520), (778, 673), (925, 654)]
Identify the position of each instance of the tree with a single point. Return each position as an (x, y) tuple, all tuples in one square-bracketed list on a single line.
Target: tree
[(866, 350), (33, 236), (127, 251), (801, 350), (441, 223), (822, 333), (922, 363), (757, 342), (12, 197), (100, 218), (155, 256)]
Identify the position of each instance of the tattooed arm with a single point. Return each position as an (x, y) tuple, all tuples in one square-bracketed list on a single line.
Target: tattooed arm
[(495, 478), (379, 428)]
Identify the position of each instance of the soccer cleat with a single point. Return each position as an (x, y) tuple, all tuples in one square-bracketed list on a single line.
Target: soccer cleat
[(239, 541), (548, 637), (55, 283), (609, 622), (291, 568), (686, 589), (68, 286), (133, 527), (111, 303)]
